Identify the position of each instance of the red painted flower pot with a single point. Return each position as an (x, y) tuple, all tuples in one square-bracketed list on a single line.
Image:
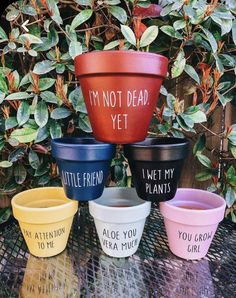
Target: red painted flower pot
[(120, 90)]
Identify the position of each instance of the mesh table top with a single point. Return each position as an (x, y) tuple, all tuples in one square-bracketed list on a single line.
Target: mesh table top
[(83, 270)]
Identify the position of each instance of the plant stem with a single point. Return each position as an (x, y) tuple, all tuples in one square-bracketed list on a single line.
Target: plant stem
[(212, 132)]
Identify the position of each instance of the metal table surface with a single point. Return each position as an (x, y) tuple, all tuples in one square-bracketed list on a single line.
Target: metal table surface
[(83, 270)]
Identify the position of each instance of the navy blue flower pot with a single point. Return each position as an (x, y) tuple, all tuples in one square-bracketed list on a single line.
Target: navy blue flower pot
[(156, 165), (84, 165)]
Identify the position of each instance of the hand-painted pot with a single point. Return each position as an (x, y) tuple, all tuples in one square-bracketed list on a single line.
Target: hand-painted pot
[(84, 165), (121, 89), (191, 219), (156, 165), (45, 217), (119, 216)]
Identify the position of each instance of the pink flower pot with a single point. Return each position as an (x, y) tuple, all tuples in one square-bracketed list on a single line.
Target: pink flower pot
[(191, 219)]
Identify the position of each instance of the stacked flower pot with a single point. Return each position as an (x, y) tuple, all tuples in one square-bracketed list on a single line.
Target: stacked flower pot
[(120, 90)]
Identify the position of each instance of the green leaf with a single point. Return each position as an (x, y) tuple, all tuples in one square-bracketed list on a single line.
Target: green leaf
[(3, 84), (203, 176), (44, 66), (20, 174), (32, 53), (84, 123), (41, 114), (211, 39), (33, 159), (49, 42), (112, 2), (84, 2), (233, 150), (199, 145), (43, 180), (230, 197), (198, 117), (234, 31), (28, 10), (23, 113), (30, 38), (224, 99), (230, 172), (3, 35), (169, 30), (60, 113), (41, 170), (119, 13), (82, 17), (111, 45), (204, 160), (53, 8), (128, 34), (42, 134), (75, 49), (149, 35), (60, 68), (49, 96), (25, 80), (180, 24), (55, 130), (16, 155), (16, 77), (192, 73), (77, 100), (19, 96), (179, 65), (46, 83), (10, 123), (12, 14), (5, 164), (24, 135), (2, 96), (5, 214)]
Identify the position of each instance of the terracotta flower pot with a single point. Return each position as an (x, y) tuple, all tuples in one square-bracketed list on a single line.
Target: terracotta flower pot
[(156, 165), (45, 217), (121, 89), (191, 219), (119, 216), (84, 165)]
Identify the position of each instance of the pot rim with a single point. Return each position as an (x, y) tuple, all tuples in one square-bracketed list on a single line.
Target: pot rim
[(130, 64), (194, 217), (82, 149), (153, 149), (36, 215), (119, 215)]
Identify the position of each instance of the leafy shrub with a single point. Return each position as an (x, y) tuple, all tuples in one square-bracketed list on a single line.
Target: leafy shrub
[(40, 98)]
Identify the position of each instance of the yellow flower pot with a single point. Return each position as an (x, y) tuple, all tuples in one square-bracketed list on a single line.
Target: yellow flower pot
[(45, 217)]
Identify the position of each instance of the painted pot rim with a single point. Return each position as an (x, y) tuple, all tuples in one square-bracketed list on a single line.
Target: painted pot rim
[(130, 62), (211, 216), (82, 149), (120, 215), (35, 215), (157, 149)]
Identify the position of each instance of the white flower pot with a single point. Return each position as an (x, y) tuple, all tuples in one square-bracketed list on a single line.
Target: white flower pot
[(119, 216)]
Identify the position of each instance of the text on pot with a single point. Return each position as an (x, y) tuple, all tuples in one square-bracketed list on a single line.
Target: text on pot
[(119, 99), (155, 175), (79, 179), (119, 240), (195, 239), (43, 237)]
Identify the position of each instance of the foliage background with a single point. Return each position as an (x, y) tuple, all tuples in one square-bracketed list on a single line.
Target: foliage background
[(40, 98)]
